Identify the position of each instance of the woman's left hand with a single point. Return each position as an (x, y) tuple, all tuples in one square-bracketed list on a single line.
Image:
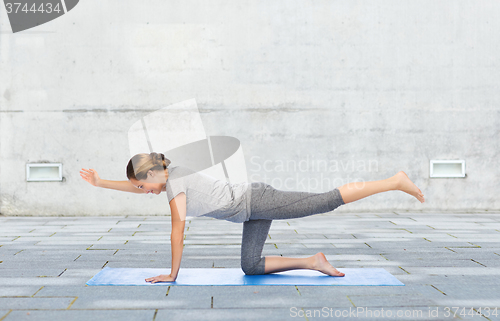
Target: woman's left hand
[(161, 278)]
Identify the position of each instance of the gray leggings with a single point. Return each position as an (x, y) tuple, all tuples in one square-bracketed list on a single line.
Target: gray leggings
[(267, 204)]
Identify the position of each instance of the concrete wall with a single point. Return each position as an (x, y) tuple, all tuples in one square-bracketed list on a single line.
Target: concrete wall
[(391, 84)]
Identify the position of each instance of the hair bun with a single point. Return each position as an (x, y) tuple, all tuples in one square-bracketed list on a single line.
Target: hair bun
[(156, 157)]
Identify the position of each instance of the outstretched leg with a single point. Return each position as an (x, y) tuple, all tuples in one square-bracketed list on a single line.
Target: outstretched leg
[(267, 208), (400, 182)]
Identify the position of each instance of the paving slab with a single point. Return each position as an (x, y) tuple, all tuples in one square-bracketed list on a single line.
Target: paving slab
[(153, 292), (32, 271), (36, 281), (390, 300), (82, 315), (464, 271), (214, 314), (24, 303), (255, 297), (10, 291)]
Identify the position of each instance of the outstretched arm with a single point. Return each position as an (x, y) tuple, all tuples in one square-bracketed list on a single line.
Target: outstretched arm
[(91, 176), (178, 214)]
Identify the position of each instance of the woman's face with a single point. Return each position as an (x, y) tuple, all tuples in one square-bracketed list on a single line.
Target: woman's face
[(155, 182)]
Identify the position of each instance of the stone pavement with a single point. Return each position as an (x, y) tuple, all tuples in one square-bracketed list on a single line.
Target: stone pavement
[(450, 264)]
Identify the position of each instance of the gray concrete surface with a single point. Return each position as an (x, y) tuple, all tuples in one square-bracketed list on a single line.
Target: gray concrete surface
[(446, 261), (389, 83)]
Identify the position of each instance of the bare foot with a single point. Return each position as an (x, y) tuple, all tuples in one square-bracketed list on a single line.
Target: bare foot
[(407, 186), (321, 264)]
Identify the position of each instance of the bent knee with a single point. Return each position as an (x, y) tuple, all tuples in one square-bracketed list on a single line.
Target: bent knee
[(253, 266), (250, 272)]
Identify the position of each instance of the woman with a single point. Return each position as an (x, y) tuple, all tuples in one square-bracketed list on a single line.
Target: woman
[(192, 193)]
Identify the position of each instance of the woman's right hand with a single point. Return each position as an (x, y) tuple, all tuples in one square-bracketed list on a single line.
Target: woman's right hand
[(90, 175)]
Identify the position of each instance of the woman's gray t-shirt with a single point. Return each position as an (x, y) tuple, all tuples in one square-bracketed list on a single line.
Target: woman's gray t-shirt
[(208, 196)]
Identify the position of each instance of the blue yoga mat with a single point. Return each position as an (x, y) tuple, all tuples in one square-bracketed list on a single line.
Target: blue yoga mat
[(225, 276)]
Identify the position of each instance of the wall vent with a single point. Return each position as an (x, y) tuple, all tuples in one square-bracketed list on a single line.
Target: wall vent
[(43, 172), (447, 168)]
